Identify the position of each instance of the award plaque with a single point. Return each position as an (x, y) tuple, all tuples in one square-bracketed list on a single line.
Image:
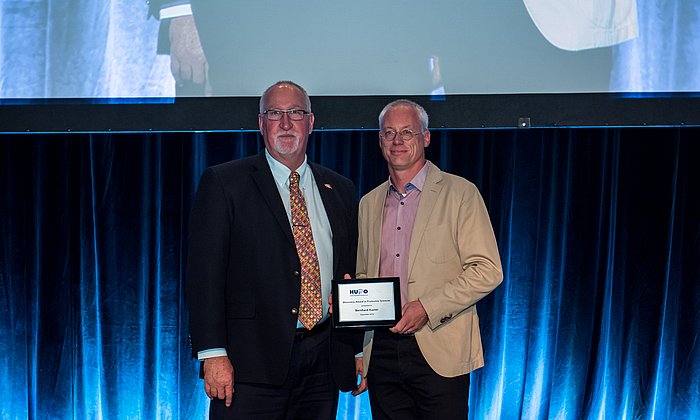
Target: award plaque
[(366, 303)]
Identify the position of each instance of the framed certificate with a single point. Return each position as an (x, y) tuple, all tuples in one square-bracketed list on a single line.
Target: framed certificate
[(366, 303)]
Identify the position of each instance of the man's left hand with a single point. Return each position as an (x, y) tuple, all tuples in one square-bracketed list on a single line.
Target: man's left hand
[(413, 317), (330, 296)]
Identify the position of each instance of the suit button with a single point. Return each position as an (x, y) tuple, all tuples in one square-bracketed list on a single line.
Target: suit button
[(295, 311), (296, 273)]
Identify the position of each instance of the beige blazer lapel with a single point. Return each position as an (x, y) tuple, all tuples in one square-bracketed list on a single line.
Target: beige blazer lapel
[(429, 196), (376, 211)]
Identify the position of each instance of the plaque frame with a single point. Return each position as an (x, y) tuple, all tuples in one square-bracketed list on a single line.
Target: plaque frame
[(364, 288)]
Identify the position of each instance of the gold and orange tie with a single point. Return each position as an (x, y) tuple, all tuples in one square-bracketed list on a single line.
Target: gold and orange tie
[(310, 305)]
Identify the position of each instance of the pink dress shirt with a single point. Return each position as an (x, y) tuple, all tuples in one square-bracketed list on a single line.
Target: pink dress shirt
[(397, 226)]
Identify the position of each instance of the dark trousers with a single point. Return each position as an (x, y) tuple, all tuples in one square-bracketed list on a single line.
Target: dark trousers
[(308, 393), (403, 386)]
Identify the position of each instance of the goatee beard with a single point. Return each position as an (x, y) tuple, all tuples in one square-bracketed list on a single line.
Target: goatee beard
[(285, 148)]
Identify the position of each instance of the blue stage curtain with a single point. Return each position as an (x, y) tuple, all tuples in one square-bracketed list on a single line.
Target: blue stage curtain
[(599, 232)]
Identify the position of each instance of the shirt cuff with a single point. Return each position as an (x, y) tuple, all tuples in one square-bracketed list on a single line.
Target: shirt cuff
[(175, 11), (208, 354)]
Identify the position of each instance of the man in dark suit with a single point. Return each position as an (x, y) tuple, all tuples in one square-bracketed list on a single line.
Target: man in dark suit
[(260, 357)]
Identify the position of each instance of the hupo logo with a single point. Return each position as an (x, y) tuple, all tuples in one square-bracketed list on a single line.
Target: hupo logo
[(359, 292)]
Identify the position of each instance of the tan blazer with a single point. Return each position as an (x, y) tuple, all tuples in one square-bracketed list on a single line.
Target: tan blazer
[(453, 263)]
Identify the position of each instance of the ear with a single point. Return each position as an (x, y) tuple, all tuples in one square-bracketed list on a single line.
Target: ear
[(426, 138), (311, 122), (261, 124)]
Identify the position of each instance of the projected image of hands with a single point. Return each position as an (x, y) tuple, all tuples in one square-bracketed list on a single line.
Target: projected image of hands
[(166, 48), (188, 63)]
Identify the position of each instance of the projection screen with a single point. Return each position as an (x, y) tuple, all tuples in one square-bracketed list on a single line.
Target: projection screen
[(200, 64)]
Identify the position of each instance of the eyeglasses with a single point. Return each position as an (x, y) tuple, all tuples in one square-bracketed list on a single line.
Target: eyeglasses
[(405, 135), (294, 114)]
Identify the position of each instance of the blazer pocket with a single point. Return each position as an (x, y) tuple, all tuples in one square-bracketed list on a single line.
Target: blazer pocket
[(439, 245), (240, 310)]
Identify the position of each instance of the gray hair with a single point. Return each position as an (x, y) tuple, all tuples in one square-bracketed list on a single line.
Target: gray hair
[(280, 83), (422, 115)]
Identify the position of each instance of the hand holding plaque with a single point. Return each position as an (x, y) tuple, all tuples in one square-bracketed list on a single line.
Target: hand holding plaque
[(366, 303)]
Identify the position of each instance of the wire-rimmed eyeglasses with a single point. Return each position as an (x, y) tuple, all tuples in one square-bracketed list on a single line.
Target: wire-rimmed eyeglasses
[(294, 114), (405, 135)]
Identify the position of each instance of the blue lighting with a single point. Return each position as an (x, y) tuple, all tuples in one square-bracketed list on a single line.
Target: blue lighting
[(597, 317)]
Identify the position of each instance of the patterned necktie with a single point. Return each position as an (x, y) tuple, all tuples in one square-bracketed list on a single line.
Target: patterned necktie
[(310, 305)]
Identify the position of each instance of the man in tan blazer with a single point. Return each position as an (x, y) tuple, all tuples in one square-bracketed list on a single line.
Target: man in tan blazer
[(431, 229)]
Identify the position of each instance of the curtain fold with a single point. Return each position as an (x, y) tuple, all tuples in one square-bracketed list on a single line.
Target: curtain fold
[(599, 233)]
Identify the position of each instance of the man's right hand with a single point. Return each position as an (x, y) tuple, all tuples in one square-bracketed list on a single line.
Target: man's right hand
[(218, 378)]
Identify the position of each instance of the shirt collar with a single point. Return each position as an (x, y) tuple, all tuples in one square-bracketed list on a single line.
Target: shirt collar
[(418, 181), (281, 173)]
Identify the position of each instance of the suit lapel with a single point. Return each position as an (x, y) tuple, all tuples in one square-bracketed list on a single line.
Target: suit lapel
[(429, 196), (268, 190)]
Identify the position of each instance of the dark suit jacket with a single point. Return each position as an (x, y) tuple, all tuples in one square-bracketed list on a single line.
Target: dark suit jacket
[(243, 281)]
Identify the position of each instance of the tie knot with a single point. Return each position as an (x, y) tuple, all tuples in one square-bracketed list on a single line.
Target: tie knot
[(294, 179)]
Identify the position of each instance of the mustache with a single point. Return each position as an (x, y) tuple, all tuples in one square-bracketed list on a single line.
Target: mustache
[(296, 136)]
